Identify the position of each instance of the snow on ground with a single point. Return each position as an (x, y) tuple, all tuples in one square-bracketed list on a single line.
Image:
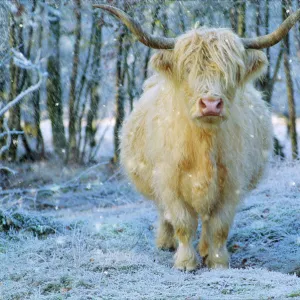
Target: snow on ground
[(281, 132), (106, 133), (107, 250)]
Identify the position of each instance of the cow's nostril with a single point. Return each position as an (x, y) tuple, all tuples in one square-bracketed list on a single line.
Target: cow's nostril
[(202, 104), (220, 104)]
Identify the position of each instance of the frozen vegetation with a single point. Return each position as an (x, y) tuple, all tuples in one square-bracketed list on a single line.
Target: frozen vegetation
[(84, 233), (101, 242)]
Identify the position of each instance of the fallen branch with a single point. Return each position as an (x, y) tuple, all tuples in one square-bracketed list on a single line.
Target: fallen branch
[(54, 187)]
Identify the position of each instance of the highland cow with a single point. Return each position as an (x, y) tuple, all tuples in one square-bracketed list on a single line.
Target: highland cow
[(200, 136)]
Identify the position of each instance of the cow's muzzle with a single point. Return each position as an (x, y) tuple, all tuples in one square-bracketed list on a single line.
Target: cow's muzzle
[(211, 106)]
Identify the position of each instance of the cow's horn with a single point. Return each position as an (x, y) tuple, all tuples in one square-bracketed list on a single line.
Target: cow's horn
[(275, 37), (144, 37)]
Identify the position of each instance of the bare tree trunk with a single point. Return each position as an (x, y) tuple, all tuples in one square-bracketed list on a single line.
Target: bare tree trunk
[(181, 20), (19, 77), (54, 90), (131, 88), (164, 22), (269, 87), (286, 7), (119, 96), (258, 17), (4, 45), (22, 73), (23, 80), (267, 17), (72, 150), (80, 106), (26, 79), (40, 146), (266, 84), (148, 53), (260, 84), (91, 127), (241, 19), (15, 112), (233, 16), (296, 30)]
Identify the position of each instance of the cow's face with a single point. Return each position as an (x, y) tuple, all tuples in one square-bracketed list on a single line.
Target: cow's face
[(209, 67)]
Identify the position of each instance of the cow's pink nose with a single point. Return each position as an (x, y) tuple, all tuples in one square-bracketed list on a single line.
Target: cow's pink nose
[(211, 106)]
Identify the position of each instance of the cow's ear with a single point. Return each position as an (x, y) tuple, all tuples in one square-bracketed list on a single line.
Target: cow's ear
[(256, 64), (163, 61)]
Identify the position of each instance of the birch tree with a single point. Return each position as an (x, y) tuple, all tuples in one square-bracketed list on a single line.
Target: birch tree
[(286, 8), (54, 89), (119, 98), (72, 149), (4, 50), (15, 112)]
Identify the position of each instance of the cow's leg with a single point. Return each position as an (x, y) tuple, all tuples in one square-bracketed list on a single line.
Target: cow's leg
[(184, 221), (165, 234), (182, 217), (218, 226)]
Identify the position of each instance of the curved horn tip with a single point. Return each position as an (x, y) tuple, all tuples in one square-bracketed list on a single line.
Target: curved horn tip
[(99, 5), (274, 37)]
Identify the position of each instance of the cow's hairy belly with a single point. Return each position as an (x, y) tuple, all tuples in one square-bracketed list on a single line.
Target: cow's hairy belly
[(203, 188)]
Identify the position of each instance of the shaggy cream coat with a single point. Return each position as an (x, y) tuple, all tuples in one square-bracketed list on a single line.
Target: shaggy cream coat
[(198, 167)]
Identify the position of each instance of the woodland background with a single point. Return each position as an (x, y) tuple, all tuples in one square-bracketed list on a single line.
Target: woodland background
[(92, 70), (71, 226)]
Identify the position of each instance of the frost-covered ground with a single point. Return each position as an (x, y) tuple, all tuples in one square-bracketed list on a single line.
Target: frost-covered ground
[(104, 247)]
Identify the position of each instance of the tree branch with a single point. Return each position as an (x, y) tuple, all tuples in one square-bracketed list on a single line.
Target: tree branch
[(22, 95)]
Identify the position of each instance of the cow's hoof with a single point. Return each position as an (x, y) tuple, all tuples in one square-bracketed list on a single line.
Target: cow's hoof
[(167, 249), (166, 245), (216, 264), (185, 259), (189, 266)]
